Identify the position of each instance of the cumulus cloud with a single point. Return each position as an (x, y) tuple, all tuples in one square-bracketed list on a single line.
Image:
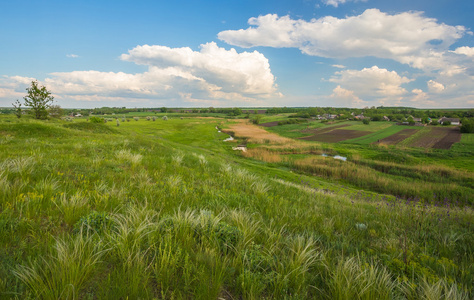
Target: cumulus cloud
[(372, 33), (346, 98), (468, 51), (211, 75), (247, 73), (372, 83), (435, 87), (72, 55), (420, 98), (12, 88)]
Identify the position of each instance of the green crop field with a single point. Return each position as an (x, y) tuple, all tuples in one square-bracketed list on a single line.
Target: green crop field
[(166, 209)]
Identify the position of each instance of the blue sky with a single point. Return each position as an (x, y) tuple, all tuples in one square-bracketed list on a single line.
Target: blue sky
[(343, 53)]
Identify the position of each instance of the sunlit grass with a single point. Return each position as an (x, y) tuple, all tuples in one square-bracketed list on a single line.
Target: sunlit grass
[(139, 214)]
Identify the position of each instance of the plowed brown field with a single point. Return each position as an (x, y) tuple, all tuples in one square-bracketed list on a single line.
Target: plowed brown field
[(335, 136), (397, 137), (438, 138)]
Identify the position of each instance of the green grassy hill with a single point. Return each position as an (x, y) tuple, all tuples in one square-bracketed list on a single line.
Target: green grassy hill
[(166, 210)]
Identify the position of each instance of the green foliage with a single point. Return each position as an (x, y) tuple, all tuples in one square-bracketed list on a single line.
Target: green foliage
[(39, 99), (165, 210), (95, 119), (366, 121), (446, 123), (17, 108), (91, 127), (55, 111), (235, 112), (256, 119), (467, 126)]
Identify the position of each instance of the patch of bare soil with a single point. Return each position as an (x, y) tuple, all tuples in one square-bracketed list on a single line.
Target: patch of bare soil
[(453, 136), (337, 135), (269, 124), (324, 129), (397, 137)]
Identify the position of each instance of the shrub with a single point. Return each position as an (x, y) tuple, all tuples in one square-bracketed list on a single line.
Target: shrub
[(96, 120), (256, 120), (467, 126), (366, 121)]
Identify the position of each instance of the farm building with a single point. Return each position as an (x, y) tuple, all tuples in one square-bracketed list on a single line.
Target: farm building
[(454, 121)]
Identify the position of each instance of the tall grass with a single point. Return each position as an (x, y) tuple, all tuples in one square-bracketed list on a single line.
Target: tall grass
[(66, 271), (183, 222)]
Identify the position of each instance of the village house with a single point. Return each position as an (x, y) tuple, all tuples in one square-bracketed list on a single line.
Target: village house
[(454, 121)]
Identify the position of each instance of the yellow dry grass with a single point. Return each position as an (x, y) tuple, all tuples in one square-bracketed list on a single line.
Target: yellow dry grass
[(255, 134), (263, 155)]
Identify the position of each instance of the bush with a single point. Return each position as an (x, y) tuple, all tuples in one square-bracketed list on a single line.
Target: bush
[(96, 120), (467, 126), (446, 123), (366, 121), (256, 120)]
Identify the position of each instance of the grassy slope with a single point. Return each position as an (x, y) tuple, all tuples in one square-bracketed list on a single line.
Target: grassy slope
[(166, 210)]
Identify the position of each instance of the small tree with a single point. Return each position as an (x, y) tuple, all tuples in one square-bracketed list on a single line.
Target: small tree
[(39, 99), (55, 111), (366, 121), (17, 106)]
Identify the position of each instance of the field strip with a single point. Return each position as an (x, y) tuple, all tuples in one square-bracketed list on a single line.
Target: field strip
[(335, 136), (398, 137), (255, 134)]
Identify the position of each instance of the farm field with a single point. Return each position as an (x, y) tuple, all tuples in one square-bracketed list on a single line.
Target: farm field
[(386, 133), (166, 209)]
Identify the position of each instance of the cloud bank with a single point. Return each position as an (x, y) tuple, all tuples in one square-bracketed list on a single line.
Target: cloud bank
[(408, 38), (211, 76)]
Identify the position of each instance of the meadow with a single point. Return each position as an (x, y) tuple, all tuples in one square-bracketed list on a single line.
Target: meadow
[(164, 209)]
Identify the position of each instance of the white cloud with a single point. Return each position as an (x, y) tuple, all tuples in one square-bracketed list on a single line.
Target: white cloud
[(72, 55), (346, 98), (246, 73), (336, 3), (421, 99), (12, 88), (407, 37), (468, 51), (178, 75), (435, 87), (339, 66), (372, 83)]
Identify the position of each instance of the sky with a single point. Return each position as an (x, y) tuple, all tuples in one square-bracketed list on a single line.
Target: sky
[(240, 53)]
